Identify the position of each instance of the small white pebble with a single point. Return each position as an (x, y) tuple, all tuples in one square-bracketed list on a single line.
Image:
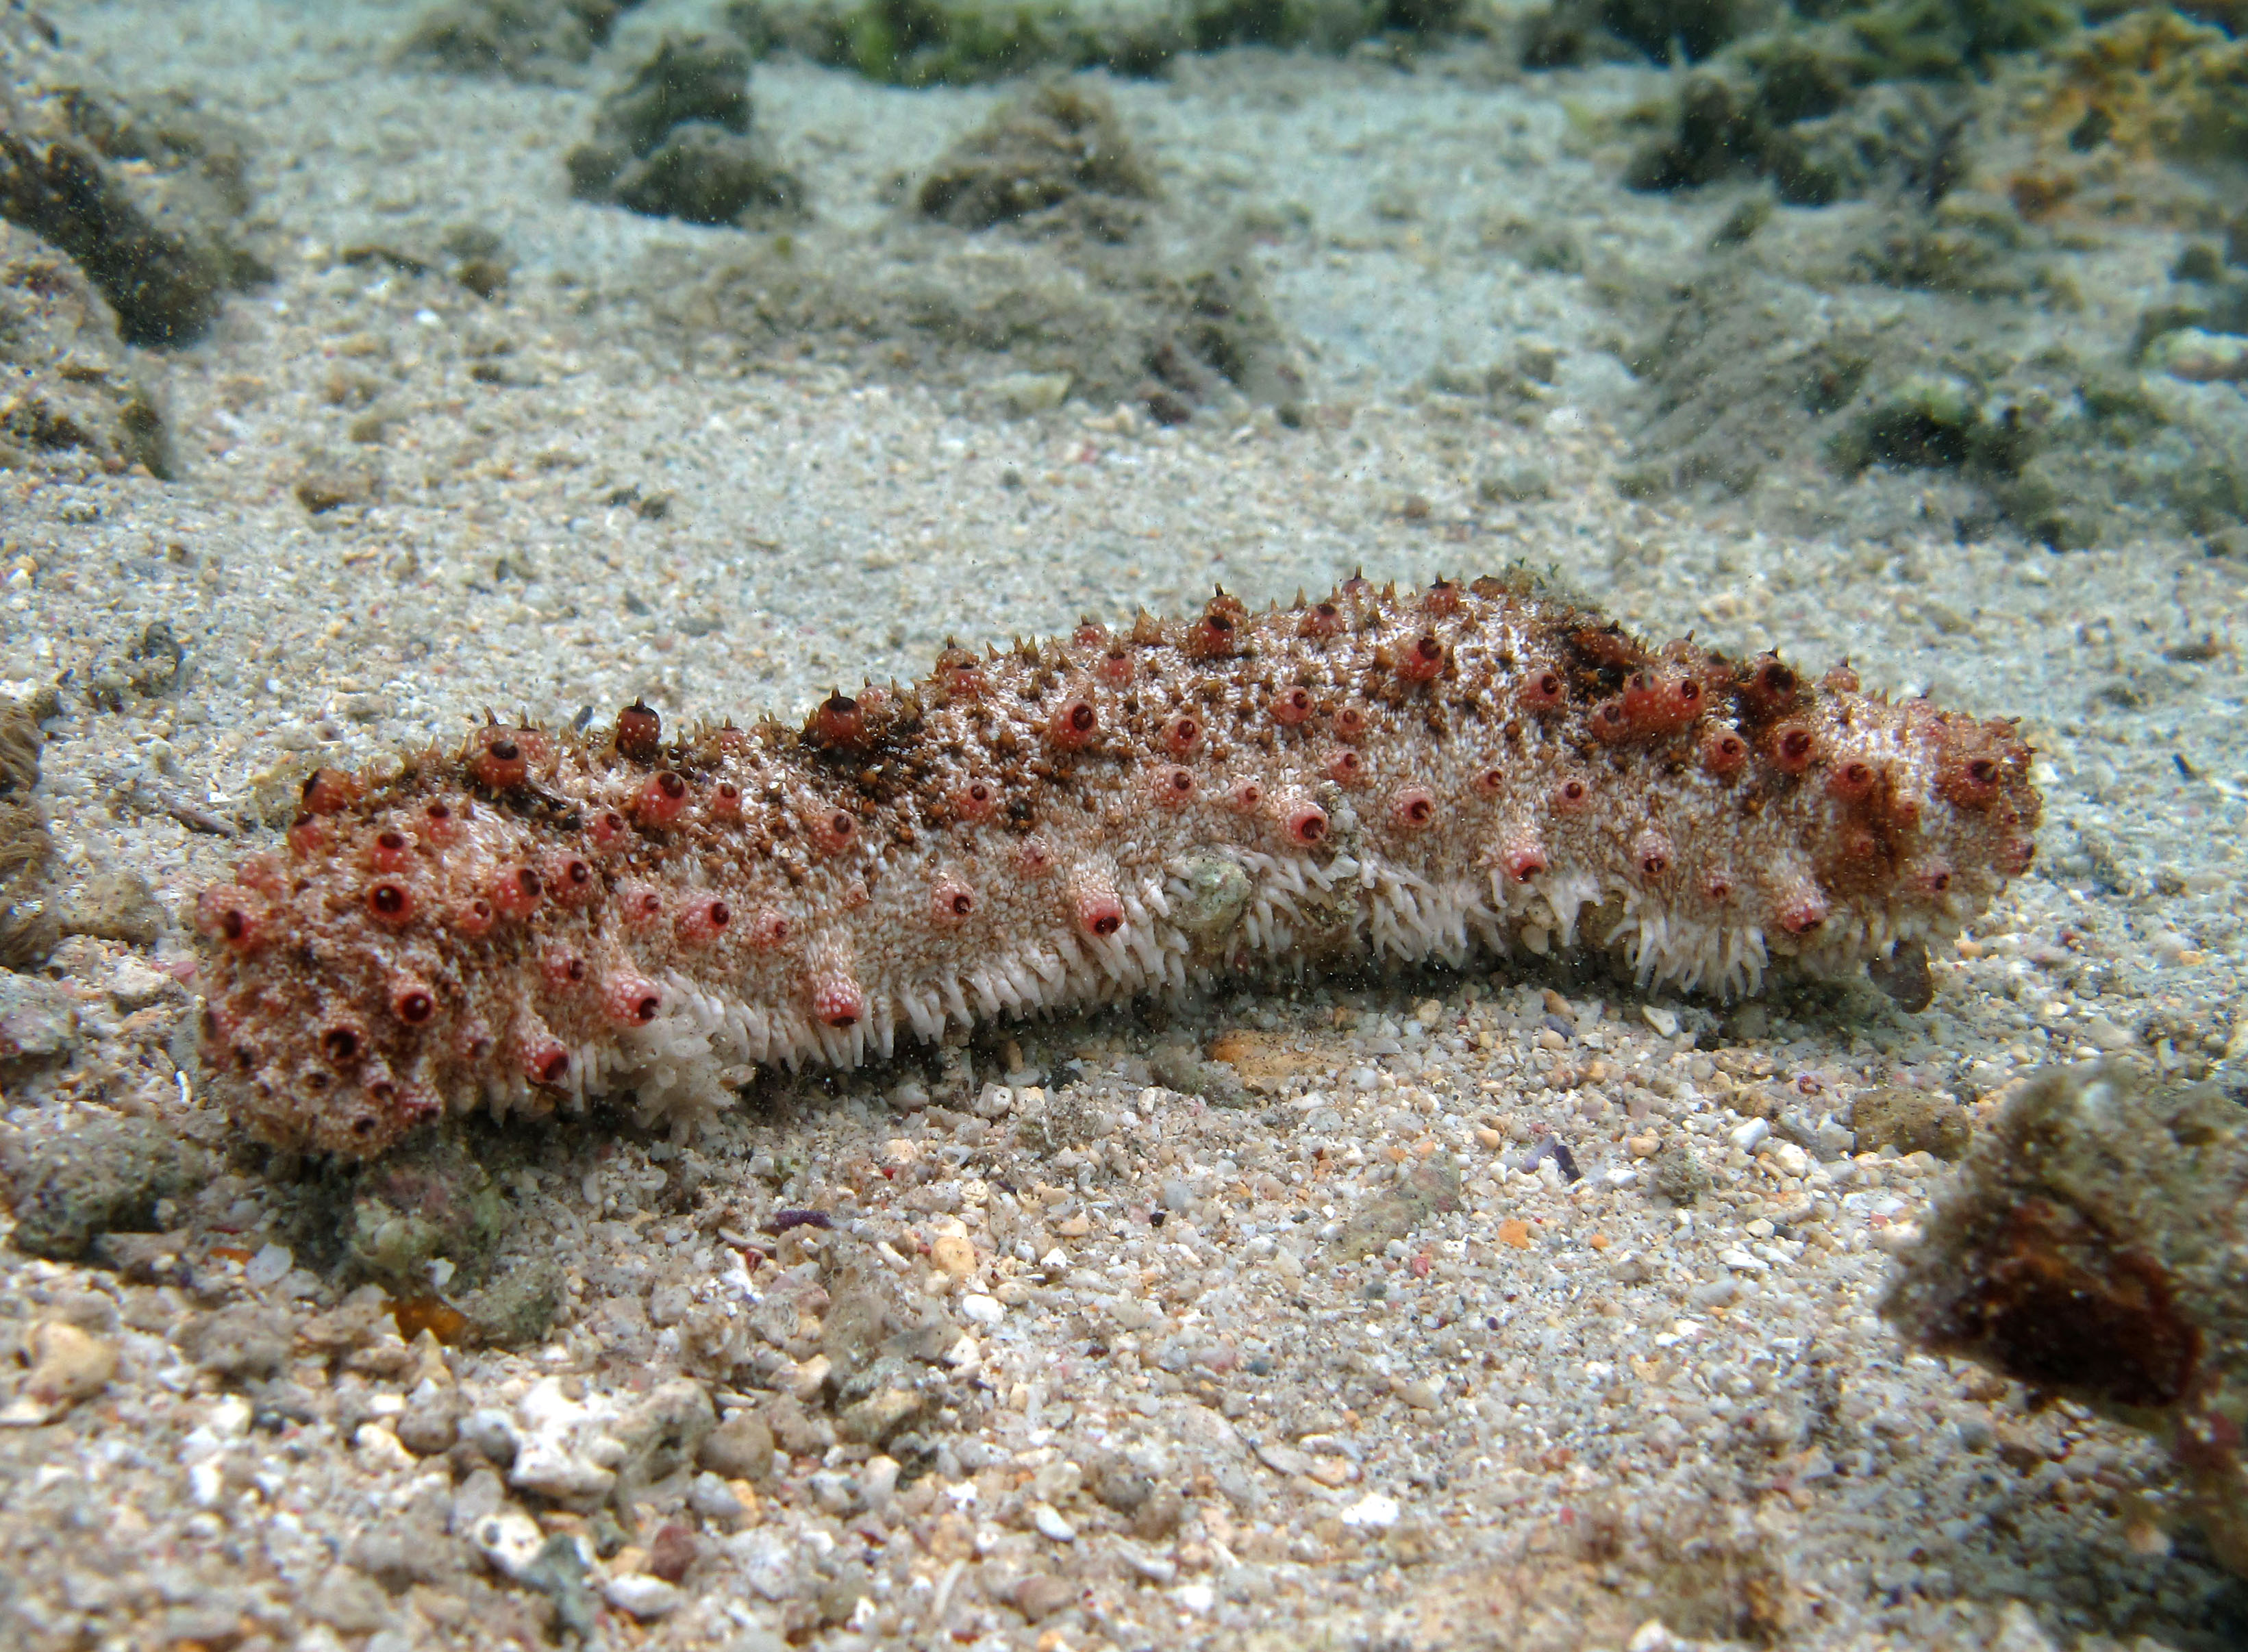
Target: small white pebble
[(1049, 1524), (1375, 1512), (1663, 1021), (985, 1311), (510, 1540), (267, 1266), (642, 1595), (1742, 1262), (1751, 1137)]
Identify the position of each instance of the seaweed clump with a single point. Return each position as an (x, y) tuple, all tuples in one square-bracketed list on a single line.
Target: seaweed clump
[(2087, 1251)]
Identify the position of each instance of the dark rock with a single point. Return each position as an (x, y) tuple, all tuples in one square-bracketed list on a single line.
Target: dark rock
[(28, 926), (432, 1199), (1678, 1174), (22, 739), (1826, 111), (558, 1571), (1904, 976), (919, 42), (671, 1556), (68, 1189), (701, 174), (1574, 31), (700, 79), (327, 483)]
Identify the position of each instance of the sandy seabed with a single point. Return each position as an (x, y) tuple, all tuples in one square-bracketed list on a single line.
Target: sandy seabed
[(1103, 1343)]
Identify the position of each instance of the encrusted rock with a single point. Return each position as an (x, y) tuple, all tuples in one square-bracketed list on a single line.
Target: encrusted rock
[(2089, 1250), (67, 1190)]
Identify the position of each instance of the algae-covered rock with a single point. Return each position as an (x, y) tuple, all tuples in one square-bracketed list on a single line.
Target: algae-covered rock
[(1944, 343), (1173, 327), (674, 140), (517, 39), (29, 926), (2154, 80), (1829, 100), (1910, 1121), (146, 197), (429, 1203), (68, 401), (955, 42), (2091, 1249), (1055, 157), (1572, 31)]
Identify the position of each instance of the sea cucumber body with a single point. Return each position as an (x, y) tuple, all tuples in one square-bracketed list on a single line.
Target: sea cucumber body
[(538, 919)]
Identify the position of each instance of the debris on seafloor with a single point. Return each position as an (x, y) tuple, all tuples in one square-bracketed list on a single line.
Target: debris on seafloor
[(2092, 1249)]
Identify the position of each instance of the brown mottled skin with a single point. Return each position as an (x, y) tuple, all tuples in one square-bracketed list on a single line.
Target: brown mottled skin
[(540, 917)]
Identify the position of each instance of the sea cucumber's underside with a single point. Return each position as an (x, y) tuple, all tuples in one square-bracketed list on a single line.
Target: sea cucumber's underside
[(542, 917)]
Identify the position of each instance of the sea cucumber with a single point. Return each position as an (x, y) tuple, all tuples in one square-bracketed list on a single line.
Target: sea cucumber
[(542, 917)]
